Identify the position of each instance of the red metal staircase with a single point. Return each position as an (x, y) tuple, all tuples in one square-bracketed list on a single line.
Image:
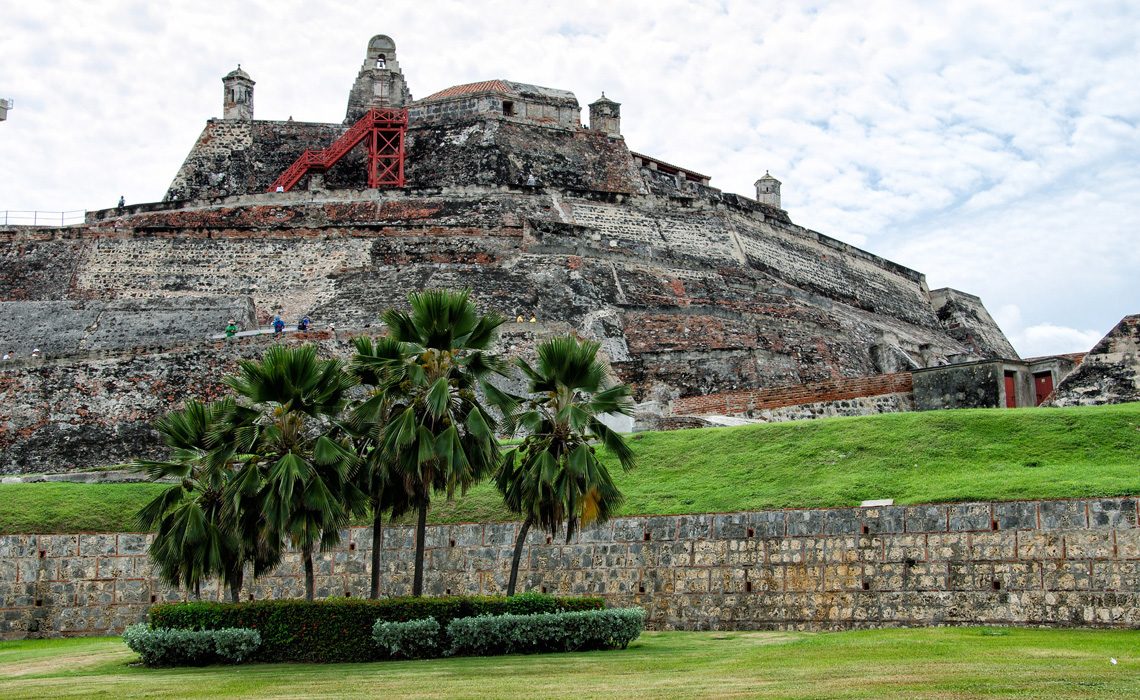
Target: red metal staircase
[(384, 129)]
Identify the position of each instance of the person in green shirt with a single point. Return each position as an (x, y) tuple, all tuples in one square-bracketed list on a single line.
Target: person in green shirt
[(231, 329)]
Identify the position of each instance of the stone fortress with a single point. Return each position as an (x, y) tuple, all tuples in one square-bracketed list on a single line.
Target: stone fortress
[(709, 304), (712, 305)]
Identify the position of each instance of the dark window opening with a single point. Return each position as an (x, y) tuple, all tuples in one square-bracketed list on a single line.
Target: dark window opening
[(747, 586), (508, 108)]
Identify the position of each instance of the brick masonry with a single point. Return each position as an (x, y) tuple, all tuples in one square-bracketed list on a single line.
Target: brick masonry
[(827, 392), (1054, 563)]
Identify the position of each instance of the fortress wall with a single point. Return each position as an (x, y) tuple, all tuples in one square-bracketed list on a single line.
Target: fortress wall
[(1070, 563), (1109, 373), (75, 327), (39, 264), (966, 320), (97, 409), (752, 400), (234, 157)]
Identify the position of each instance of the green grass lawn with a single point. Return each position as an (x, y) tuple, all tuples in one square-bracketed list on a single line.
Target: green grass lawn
[(918, 663), (929, 457)]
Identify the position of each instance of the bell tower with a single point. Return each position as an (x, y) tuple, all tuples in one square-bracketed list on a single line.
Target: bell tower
[(379, 82)]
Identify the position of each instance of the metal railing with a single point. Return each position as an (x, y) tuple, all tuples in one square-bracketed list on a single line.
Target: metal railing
[(42, 218)]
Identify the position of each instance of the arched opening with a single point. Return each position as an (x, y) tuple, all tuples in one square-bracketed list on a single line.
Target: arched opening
[(381, 61)]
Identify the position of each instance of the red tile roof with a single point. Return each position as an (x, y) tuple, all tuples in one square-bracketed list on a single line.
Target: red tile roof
[(472, 88)]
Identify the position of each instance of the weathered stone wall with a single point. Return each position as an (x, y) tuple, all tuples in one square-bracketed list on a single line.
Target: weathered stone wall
[(692, 297), (1109, 373), (233, 157), (1061, 563), (828, 392), (98, 409), (967, 320), (972, 385), (79, 326)]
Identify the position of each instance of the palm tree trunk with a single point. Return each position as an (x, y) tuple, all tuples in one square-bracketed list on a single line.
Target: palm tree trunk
[(377, 549), (307, 552), (421, 531), (517, 556), (235, 586)]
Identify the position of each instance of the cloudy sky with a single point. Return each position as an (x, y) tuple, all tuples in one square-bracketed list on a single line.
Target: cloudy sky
[(993, 146)]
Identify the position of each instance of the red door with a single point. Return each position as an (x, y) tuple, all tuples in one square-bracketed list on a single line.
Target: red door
[(1010, 390), (1043, 386)]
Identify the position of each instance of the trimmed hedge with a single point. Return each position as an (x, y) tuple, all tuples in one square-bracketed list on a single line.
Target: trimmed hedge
[(340, 629), (177, 647), (414, 639), (549, 632)]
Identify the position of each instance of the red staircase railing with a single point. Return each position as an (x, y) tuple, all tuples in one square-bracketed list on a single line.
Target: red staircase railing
[(384, 129)]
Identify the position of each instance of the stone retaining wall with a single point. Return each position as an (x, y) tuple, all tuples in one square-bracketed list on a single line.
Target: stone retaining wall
[(1063, 563), (833, 391)]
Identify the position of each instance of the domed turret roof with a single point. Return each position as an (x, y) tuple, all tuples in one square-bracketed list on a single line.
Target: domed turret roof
[(237, 73)]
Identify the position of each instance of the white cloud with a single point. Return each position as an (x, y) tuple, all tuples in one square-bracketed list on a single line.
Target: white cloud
[(992, 146)]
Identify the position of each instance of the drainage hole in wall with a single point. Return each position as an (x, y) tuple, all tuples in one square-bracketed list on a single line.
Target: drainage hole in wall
[(549, 539), (866, 585), (747, 586), (909, 562), (154, 598), (997, 585), (544, 589), (641, 588), (251, 596), (993, 524), (447, 591), (866, 530), (43, 553), (751, 532), (39, 602), (352, 546), (647, 535), (451, 543)]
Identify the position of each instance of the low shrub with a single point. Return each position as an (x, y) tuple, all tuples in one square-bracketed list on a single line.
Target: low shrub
[(528, 634), (340, 629), (414, 639), (179, 647)]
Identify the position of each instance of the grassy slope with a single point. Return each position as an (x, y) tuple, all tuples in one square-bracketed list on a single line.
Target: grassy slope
[(919, 663), (911, 457)]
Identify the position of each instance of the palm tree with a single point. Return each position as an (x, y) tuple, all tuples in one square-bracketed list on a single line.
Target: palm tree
[(196, 533), (437, 437), (554, 478), (292, 468), (386, 491)]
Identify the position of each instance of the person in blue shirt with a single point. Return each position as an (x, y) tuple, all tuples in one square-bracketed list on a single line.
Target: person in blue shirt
[(278, 324), (303, 324)]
